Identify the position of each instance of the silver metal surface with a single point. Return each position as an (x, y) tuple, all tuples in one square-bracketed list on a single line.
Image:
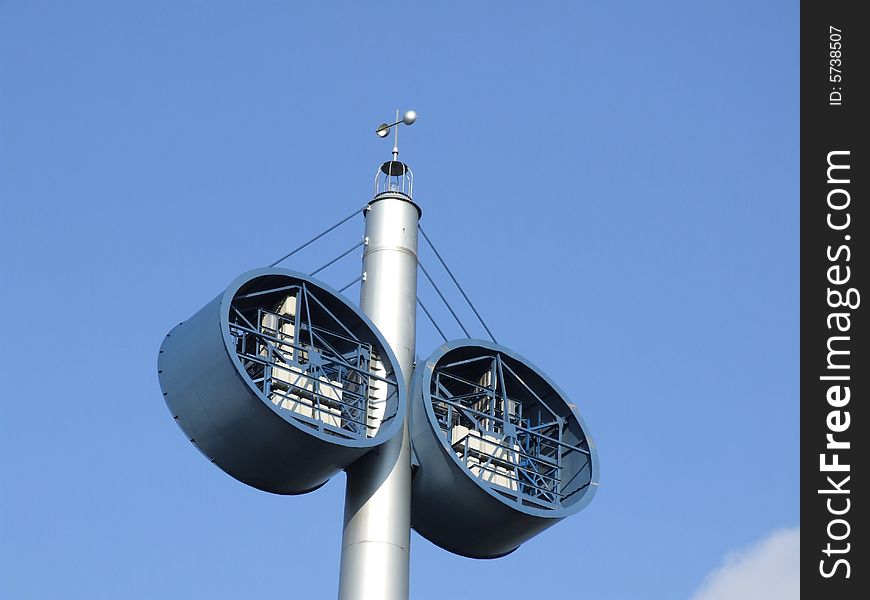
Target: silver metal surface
[(376, 541), (396, 139)]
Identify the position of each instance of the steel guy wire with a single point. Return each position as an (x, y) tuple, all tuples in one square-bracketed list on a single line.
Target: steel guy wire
[(443, 299), (320, 235), (431, 319), (464, 295), (338, 258), (355, 279)]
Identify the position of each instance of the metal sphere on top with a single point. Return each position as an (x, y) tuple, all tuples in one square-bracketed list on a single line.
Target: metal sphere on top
[(383, 130)]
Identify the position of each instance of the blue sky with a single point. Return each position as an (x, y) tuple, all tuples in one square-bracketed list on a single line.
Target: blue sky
[(615, 184)]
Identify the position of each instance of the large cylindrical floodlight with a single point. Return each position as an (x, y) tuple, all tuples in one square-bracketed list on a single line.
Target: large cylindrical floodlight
[(281, 382), (502, 453)]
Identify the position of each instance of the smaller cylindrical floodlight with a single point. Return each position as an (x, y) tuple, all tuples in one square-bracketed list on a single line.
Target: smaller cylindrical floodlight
[(502, 453), (281, 382)]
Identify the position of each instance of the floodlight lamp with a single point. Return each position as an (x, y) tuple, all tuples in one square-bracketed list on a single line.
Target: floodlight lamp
[(502, 453), (281, 382)]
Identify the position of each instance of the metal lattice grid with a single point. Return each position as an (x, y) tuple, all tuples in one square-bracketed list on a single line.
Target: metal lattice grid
[(308, 362), (506, 434)]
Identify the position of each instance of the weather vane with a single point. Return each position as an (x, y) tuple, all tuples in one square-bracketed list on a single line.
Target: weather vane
[(383, 129)]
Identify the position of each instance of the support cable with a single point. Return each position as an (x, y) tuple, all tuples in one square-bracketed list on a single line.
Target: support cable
[(320, 235), (420, 302), (464, 295), (447, 304), (358, 278), (338, 258)]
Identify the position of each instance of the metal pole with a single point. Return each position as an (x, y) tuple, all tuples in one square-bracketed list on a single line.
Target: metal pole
[(376, 542)]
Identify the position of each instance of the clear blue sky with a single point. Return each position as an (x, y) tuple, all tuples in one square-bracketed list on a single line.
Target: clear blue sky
[(616, 185)]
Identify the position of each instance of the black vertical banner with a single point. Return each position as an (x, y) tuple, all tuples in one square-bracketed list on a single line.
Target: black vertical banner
[(835, 300)]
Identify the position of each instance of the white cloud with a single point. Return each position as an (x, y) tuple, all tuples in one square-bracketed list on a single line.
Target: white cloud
[(767, 570)]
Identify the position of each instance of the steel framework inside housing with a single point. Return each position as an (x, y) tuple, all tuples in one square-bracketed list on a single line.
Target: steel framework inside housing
[(506, 434), (309, 362)]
